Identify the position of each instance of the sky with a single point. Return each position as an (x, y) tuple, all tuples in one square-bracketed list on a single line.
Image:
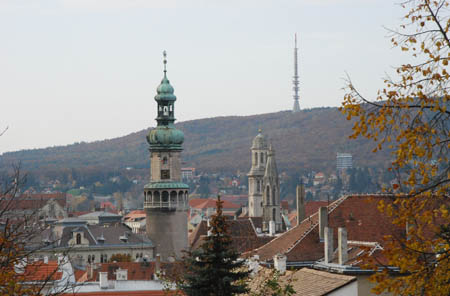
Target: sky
[(86, 70)]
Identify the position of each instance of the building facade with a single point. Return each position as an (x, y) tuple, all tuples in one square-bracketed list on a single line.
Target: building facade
[(166, 197), (344, 161)]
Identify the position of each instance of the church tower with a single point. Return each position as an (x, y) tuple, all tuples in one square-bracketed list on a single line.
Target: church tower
[(271, 194), (256, 174), (166, 197)]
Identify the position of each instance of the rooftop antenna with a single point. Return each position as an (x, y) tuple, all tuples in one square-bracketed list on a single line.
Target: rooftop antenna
[(295, 81)]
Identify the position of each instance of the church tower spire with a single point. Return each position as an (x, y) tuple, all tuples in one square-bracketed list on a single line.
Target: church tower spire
[(166, 197), (295, 80), (271, 194), (255, 176)]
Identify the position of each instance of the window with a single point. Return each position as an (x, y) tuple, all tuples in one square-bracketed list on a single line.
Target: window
[(274, 213), (256, 158), (268, 195), (166, 111), (164, 161), (78, 238), (165, 174), (262, 158), (273, 195)]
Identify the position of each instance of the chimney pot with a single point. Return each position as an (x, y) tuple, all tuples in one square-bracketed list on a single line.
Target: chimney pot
[(103, 276), (271, 228), (300, 203), (323, 221), (342, 245), (279, 262), (328, 245)]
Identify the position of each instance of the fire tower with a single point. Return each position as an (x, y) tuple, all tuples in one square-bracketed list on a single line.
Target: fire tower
[(166, 197)]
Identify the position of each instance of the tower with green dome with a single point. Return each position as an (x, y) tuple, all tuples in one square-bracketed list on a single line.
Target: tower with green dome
[(166, 197)]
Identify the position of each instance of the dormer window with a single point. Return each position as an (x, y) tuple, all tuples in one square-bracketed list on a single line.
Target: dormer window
[(78, 238)]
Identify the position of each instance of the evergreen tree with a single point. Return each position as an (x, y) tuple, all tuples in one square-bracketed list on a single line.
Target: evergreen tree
[(214, 269)]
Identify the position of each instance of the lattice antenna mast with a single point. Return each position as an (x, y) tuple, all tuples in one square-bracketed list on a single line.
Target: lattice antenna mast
[(295, 80)]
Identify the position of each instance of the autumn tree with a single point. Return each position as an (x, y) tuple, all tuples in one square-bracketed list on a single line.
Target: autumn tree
[(18, 232), (215, 269), (411, 116)]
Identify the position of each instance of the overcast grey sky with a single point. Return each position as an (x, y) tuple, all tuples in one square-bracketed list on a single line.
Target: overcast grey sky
[(85, 70)]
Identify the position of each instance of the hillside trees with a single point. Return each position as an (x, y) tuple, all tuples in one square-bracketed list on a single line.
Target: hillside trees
[(411, 115)]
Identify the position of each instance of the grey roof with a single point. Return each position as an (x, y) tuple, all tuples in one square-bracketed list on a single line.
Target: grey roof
[(113, 235), (98, 214)]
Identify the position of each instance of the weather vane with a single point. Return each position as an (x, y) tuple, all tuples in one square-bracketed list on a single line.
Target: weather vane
[(165, 60)]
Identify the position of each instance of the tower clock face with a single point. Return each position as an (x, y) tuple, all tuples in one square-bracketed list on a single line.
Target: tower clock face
[(165, 174)]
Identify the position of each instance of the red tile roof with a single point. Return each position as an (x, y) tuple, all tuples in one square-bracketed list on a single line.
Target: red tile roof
[(202, 203), (137, 271), (311, 207), (40, 271), (359, 214), (123, 293)]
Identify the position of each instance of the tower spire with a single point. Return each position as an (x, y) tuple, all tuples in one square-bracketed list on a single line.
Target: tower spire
[(295, 80), (165, 61)]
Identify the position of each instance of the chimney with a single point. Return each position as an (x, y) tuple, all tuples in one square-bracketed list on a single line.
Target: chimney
[(323, 221), (271, 228), (157, 266), (253, 265), (90, 271), (300, 203), (103, 280), (121, 274), (342, 245), (279, 262), (328, 245)]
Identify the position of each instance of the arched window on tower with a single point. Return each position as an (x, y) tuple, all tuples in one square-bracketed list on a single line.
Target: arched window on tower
[(274, 195), (166, 111), (262, 158), (258, 186), (268, 194), (165, 196), (256, 158), (274, 213)]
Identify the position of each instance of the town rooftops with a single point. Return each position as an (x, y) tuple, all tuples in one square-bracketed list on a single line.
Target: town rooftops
[(306, 282), (357, 213)]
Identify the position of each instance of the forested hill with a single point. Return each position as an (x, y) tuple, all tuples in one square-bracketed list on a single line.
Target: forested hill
[(302, 141)]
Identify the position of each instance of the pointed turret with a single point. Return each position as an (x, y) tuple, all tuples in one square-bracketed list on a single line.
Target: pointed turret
[(271, 195)]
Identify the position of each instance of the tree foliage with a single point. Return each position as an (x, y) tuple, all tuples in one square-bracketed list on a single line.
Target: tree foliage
[(215, 268), (411, 116)]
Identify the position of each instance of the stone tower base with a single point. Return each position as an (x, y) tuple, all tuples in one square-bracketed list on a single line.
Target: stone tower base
[(167, 228)]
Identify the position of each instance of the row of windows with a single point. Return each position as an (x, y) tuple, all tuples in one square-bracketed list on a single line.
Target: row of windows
[(262, 156), (268, 193), (164, 196)]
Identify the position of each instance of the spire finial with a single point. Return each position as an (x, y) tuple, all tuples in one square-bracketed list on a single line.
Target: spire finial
[(259, 130), (165, 61)]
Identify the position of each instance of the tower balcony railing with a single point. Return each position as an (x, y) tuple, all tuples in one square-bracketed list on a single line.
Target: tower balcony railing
[(166, 205)]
